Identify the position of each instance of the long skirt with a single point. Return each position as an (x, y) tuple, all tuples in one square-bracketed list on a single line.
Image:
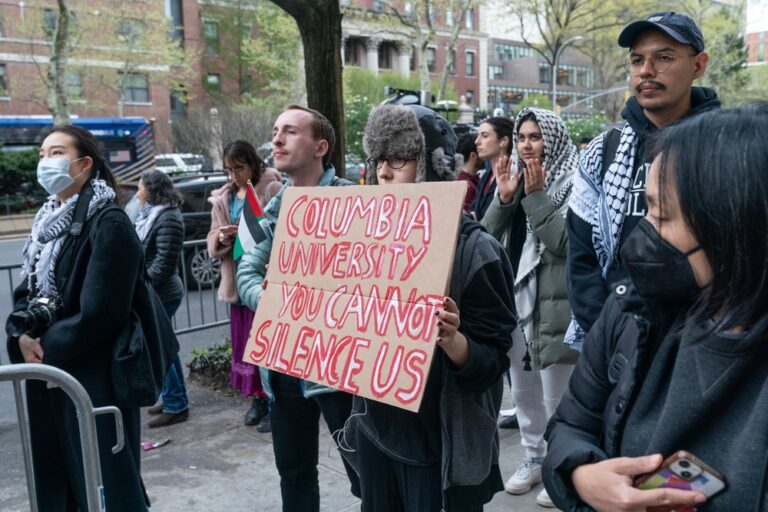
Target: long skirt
[(243, 376)]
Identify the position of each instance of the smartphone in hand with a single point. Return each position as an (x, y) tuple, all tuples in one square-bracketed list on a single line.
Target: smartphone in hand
[(684, 471)]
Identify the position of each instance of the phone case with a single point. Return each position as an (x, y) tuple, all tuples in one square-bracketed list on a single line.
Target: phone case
[(684, 471)]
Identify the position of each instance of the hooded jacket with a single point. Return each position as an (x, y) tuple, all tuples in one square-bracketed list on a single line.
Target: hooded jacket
[(587, 288)]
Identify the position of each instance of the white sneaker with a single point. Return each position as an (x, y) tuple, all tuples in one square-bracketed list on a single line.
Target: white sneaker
[(527, 475), (543, 499)]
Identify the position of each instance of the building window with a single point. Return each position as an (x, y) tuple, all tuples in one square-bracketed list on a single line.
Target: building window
[(452, 62), (74, 84), (213, 82), (385, 60), (412, 59), (545, 75), (431, 59), (469, 21), (449, 17), (495, 72), (50, 21), (470, 63), (246, 87), (407, 7), (378, 6), (431, 13), (211, 34), (352, 49), (3, 81), (511, 52), (136, 89), (470, 97), (129, 30)]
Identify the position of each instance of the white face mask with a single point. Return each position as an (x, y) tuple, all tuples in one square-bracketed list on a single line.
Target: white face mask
[(53, 174)]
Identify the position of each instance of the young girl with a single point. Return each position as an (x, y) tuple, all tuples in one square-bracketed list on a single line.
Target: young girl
[(527, 215), (445, 457)]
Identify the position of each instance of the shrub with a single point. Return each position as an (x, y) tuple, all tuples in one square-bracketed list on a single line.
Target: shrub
[(211, 365)]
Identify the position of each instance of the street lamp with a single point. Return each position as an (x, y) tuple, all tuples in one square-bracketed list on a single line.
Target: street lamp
[(554, 68)]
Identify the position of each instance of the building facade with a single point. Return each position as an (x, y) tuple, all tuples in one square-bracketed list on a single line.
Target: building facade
[(377, 39), (756, 36)]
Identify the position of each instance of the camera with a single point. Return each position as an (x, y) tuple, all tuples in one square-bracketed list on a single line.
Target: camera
[(40, 314)]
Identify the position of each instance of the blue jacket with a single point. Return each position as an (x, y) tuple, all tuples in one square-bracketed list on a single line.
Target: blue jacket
[(251, 273)]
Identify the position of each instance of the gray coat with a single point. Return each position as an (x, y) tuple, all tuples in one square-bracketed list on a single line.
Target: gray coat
[(553, 312)]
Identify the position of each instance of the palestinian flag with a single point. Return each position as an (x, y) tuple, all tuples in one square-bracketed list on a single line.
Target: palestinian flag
[(249, 231)]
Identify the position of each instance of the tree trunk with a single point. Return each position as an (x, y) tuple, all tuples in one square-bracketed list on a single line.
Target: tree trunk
[(58, 101), (463, 7), (319, 23)]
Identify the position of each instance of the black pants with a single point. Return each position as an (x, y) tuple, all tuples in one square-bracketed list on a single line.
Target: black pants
[(295, 431), (391, 486)]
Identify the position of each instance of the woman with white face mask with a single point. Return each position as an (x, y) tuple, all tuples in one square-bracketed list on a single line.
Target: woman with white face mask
[(87, 281)]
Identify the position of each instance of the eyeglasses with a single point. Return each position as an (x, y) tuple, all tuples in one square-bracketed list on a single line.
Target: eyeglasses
[(239, 169), (394, 162), (660, 63)]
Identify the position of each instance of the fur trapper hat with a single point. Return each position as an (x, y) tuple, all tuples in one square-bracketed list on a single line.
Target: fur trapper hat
[(411, 131)]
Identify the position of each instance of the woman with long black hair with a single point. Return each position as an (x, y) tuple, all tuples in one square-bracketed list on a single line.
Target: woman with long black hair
[(87, 280), (678, 359)]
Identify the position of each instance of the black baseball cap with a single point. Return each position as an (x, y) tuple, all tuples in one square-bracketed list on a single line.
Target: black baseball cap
[(678, 26)]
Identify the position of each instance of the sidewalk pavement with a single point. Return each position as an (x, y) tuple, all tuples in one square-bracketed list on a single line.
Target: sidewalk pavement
[(12, 226), (216, 464)]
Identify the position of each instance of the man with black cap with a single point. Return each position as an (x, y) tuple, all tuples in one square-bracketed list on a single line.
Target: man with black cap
[(666, 54)]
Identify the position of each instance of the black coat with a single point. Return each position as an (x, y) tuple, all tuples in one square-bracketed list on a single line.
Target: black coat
[(587, 425), (162, 251), (97, 296)]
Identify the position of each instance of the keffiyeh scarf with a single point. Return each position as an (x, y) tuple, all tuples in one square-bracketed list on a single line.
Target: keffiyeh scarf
[(560, 163), (49, 230), (146, 219)]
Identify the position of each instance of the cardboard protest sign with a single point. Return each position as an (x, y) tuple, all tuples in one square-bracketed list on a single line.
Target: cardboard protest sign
[(355, 277)]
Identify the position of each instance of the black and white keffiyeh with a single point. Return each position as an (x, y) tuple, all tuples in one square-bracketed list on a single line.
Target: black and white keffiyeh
[(146, 219), (49, 229), (561, 163)]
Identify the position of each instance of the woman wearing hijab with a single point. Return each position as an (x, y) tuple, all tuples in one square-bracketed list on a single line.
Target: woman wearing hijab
[(528, 216)]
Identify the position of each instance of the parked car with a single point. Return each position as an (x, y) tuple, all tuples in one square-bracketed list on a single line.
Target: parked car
[(177, 163), (200, 270)]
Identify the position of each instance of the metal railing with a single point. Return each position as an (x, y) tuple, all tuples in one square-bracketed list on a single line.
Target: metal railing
[(201, 309), (86, 415)]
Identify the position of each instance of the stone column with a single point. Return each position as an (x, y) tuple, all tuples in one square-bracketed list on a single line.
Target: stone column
[(344, 38), (372, 54), (404, 58)]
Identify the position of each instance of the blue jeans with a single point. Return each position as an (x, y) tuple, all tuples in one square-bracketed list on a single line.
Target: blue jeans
[(174, 393)]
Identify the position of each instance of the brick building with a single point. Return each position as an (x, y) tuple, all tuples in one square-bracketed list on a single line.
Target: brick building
[(756, 36)]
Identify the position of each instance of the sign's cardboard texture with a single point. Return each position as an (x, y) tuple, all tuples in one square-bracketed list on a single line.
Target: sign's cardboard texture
[(355, 277)]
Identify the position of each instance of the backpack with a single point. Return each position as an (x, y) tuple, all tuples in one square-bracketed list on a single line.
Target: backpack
[(610, 147)]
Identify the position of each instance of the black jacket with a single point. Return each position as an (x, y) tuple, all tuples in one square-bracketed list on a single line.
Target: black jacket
[(162, 251), (588, 425), (97, 296), (587, 289), (483, 197)]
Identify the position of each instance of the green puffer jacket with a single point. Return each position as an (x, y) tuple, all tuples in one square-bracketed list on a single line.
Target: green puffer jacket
[(251, 273), (553, 312)]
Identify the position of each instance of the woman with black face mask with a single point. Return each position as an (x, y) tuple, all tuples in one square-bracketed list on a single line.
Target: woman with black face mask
[(678, 359)]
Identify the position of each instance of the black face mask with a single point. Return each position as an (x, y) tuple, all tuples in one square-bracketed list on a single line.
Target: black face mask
[(658, 269)]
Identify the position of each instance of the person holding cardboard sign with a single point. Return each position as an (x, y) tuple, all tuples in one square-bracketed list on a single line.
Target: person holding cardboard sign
[(302, 142), (422, 462)]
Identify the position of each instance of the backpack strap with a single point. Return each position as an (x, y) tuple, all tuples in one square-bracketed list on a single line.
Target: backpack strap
[(610, 147)]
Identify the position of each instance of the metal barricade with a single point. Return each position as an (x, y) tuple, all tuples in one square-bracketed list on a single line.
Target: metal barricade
[(200, 307), (86, 420)]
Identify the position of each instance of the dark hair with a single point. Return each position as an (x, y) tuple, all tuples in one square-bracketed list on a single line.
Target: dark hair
[(160, 189), (322, 129), (503, 128), (243, 151), (466, 145), (717, 163), (87, 145)]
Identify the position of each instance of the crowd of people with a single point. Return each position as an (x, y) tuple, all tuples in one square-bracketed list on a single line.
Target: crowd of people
[(621, 292)]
